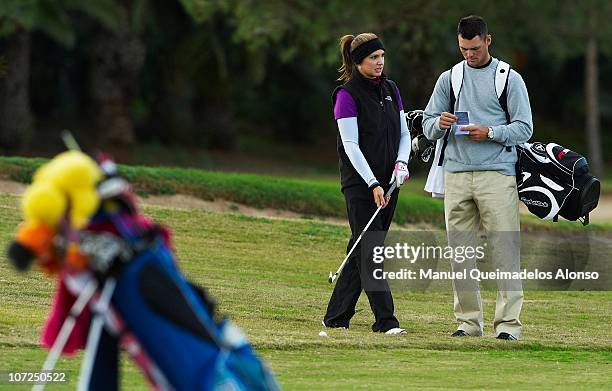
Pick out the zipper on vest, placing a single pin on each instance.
(381, 93)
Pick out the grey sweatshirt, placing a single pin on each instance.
(478, 96)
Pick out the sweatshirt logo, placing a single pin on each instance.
(388, 97)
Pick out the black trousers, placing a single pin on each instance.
(360, 207)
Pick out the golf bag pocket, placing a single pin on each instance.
(555, 181)
(542, 195)
(583, 199)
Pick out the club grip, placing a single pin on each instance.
(391, 189)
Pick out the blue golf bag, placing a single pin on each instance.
(173, 324)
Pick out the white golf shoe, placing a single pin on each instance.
(327, 327)
(396, 330)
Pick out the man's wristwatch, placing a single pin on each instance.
(490, 134)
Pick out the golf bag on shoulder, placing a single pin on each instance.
(554, 181)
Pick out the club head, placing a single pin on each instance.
(426, 154)
(330, 279)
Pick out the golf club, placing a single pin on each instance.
(332, 277)
(70, 141)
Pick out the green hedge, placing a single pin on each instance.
(307, 197)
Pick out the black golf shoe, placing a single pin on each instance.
(507, 337)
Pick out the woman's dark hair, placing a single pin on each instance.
(471, 26)
(347, 44)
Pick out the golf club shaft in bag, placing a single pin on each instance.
(333, 277)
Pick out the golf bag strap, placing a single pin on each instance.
(441, 160)
(456, 75)
(502, 74)
(501, 82)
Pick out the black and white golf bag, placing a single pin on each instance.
(554, 181)
(424, 149)
(421, 146)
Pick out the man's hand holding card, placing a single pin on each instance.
(464, 127)
(463, 119)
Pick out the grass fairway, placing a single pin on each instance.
(270, 277)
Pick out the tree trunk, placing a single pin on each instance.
(16, 121)
(593, 129)
(116, 60)
(220, 110)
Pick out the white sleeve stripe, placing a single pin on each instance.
(405, 144)
(348, 129)
(349, 133)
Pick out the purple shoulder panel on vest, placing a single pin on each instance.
(400, 104)
(345, 105)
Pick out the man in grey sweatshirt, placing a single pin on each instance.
(479, 174)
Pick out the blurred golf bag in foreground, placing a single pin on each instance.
(119, 286)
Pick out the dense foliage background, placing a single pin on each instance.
(220, 75)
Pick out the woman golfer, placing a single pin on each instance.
(373, 147)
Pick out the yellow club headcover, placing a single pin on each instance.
(43, 203)
(84, 203)
(74, 175)
(69, 170)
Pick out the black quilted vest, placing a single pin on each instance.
(379, 129)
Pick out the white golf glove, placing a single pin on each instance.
(400, 174)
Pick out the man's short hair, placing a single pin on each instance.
(471, 26)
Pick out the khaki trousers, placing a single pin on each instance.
(491, 198)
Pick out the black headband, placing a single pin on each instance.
(364, 50)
